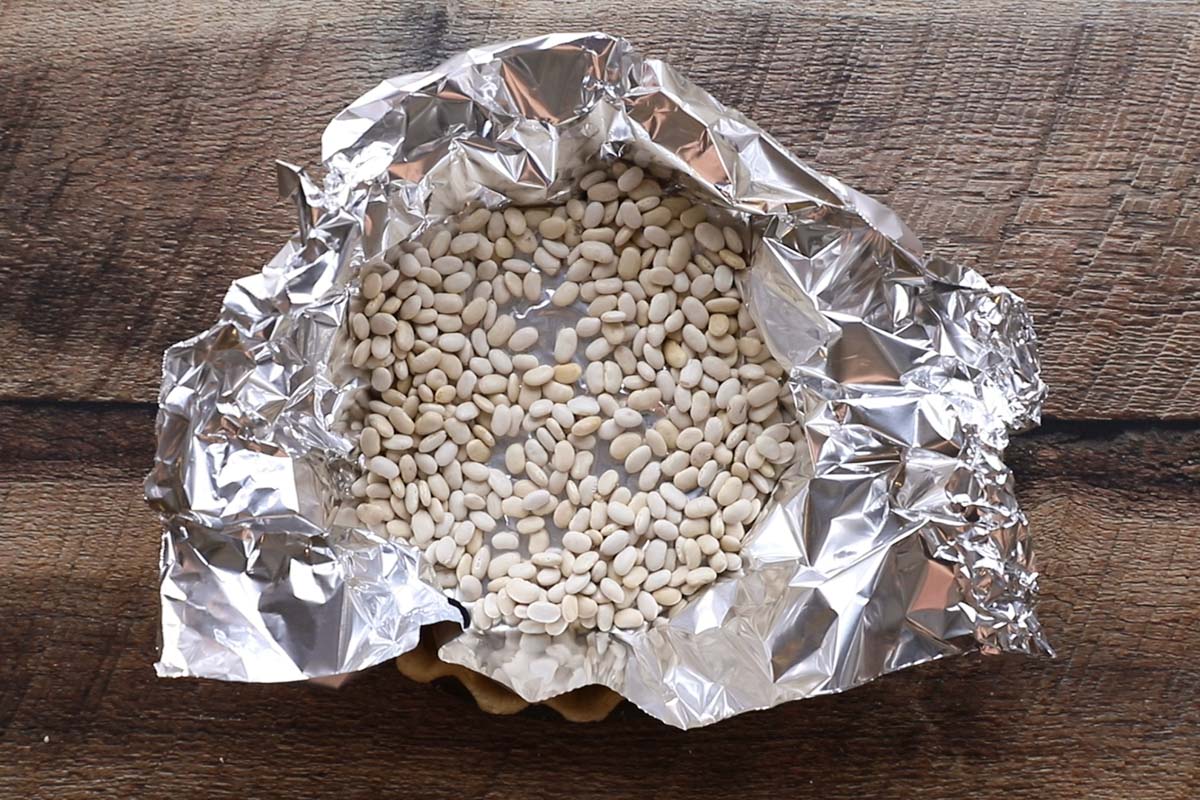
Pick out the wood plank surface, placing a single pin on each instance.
(1115, 717)
(1052, 145)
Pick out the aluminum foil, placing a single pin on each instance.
(895, 540)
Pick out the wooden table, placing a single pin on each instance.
(1053, 146)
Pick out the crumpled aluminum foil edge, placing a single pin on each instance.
(897, 540)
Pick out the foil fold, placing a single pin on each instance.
(896, 539)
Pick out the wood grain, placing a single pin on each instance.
(1114, 510)
(1054, 146)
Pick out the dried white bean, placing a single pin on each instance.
(677, 387)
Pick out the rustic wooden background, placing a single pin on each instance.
(1053, 145)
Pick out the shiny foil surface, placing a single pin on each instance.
(896, 539)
